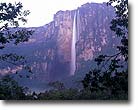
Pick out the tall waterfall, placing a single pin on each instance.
(78, 24)
(73, 48)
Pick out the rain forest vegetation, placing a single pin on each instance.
(11, 16)
(108, 81)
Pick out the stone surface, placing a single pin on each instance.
(49, 49)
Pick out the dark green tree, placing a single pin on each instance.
(57, 85)
(10, 90)
(111, 74)
(11, 16)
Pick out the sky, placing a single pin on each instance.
(42, 11)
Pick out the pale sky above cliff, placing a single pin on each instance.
(42, 11)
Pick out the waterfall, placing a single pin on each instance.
(78, 24)
(73, 48)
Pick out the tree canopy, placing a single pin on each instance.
(11, 16)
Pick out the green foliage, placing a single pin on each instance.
(100, 59)
(84, 94)
(57, 85)
(11, 15)
(10, 90)
(120, 25)
(109, 81)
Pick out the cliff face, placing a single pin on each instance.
(93, 34)
(49, 49)
(63, 25)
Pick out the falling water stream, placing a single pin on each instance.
(73, 48)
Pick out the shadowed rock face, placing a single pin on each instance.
(49, 49)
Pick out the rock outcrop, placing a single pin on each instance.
(49, 49)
